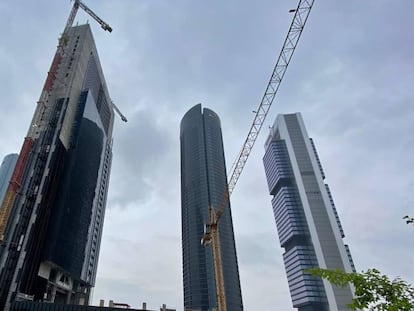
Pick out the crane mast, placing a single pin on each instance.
(212, 235)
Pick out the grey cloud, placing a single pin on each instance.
(138, 153)
(258, 248)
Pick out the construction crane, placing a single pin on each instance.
(211, 229)
(123, 118)
(104, 26)
(75, 8)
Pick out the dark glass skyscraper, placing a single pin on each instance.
(203, 183)
(52, 216)
(307, 222)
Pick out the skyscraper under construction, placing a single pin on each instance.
(52, 215)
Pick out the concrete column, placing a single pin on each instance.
(68, 296)
(82, 301)
(53, 294)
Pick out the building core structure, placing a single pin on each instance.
(203, 184)
(307, 222)
(6, 171)
(52, 216)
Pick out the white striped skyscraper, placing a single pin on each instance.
(307, 222)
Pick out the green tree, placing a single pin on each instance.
(373, 291)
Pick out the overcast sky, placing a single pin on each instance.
(352, 77)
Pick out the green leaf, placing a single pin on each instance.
(372, 289)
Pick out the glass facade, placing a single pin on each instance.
(307, 222)
(76, 221)
(292, 229)
(6, 171)
(203, 182)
